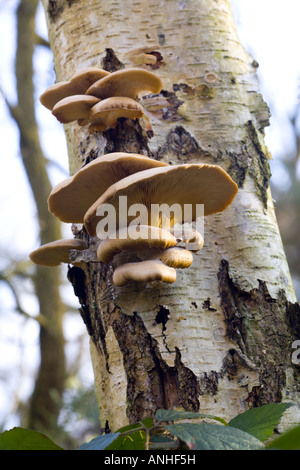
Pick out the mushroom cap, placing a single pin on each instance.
(70, 199)
(73, 107)
(126, 82)
(144, 271)
(129, 238)
(179, 184)
(176, 257)
(77, 85)
(54, 253)
(109, 110)
(193, 239)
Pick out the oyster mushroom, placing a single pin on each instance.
(77, 85)
(126, 82)
(56, 252)
(71, 198)
(182, 185)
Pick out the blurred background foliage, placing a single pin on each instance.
(26, 330)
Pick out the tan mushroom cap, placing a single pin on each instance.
(77, 85)
(179, 184)
(144, 271)
(108, 111)
(192, 238)
(70, 199)
(74, 107)
(176, 257)
(127, 82)
(54, 253)
(134, 238)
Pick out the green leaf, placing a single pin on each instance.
(26, 439)
(213, 437)
(99, 442)
(290, 440)
(171, 415)
(260, 422)
(130, 440)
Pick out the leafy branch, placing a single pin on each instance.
(179, 430)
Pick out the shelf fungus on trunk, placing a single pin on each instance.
(139, 238)
(105, 114)
(130, 83)
(56, 252)
(161, 196)
(74, 108)
(77, 85)
(192, 239)
(90, 99)
(148, 243)
(178, 188)
(70, 199)
(144, 271)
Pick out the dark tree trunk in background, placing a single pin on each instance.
(47, 396)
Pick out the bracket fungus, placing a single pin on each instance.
(176, 257)
(71, 198)
(147, 56)
(107, 112)
(148, 244)
(77, 85)
(192, 238)
(74, 107)
(54, 253)
(126, 82)
(144, 271)
(135, 238)
(192, 184)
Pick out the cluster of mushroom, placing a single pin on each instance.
(150, 184)
(98, 98)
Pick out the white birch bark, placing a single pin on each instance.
(215, 322)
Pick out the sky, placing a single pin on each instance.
(268, 29)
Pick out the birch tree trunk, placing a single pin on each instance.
(220, 338)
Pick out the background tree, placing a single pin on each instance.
(47, 396)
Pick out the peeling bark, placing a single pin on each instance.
(198, 344)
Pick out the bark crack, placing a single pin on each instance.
(263, 328)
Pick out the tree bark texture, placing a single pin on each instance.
(219, 339)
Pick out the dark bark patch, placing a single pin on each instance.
(181, 145)
(171, 112)
(110, 61)
(206, 305)
(263, 329)
(208, 383)
(259, 168)
(188, 388)
(238, 166)
(128, 137)
(55, 8)
(151, 383)
(159, 60)
(76, 276)
(162, 317)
